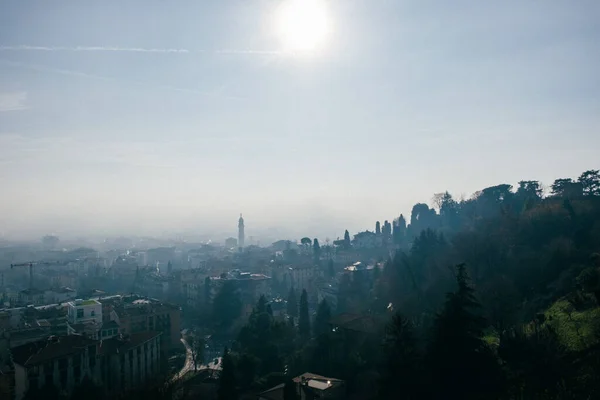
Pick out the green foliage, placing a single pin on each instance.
(535, 362)
(304, 319)
(330, 268)
(528, 258)
(292, 304)
(402, 370)
(196, 343)
(589, 279)
(264, 340)
(321, 325)
(590, 182)
(316, 250)
(227, 389)
(574, 329)
(461, 364)
(227, 305)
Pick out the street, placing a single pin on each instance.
(189, 363)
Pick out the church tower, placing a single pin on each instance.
(241, 232)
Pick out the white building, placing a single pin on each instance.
(80, 311)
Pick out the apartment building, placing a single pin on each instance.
(118, 364)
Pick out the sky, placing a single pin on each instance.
(155, 117)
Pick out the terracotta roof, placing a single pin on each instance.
(122, 344)
(45, 350)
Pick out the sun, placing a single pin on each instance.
(302, 25)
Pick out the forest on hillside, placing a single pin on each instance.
(492, 297)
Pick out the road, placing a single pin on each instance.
(189, 363)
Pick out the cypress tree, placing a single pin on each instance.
(322, 319)
(462, 366)
(292, 304)
(401, 372)
(227, 382)
(304, 321)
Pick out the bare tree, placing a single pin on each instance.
(197, 349)
(437, 200)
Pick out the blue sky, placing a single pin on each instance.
(101, 134)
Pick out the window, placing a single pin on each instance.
(93, 313)
(80, 313)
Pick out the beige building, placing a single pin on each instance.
(118, 364)
(60, 361)
(136, 315)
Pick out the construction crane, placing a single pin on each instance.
(31, 265)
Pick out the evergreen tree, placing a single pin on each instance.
(227, 389)
(347, 239)
(461, 364)
(304, 320)
(399, 230)
(292, 304)
(227, 305)
(330, 268)
(377, 228)
(322, 319)
(590, 182)
(261, 306)
(316, 250)
(401, 375)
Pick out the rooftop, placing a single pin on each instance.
(64, 290)
(312, 382)
(80, 302)
(121, 344)
(54, 347)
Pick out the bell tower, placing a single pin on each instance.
(241, 232)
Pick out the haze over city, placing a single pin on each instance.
(299, 200)
(152, 117)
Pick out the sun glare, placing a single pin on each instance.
(302, 25)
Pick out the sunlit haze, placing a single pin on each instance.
(307, 116)
(302, 24)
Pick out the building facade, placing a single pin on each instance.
(80, 311)
(117, 364)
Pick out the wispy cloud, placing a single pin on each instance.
(214, 93)
(117, 49)
(13, 101)
(92, 48)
